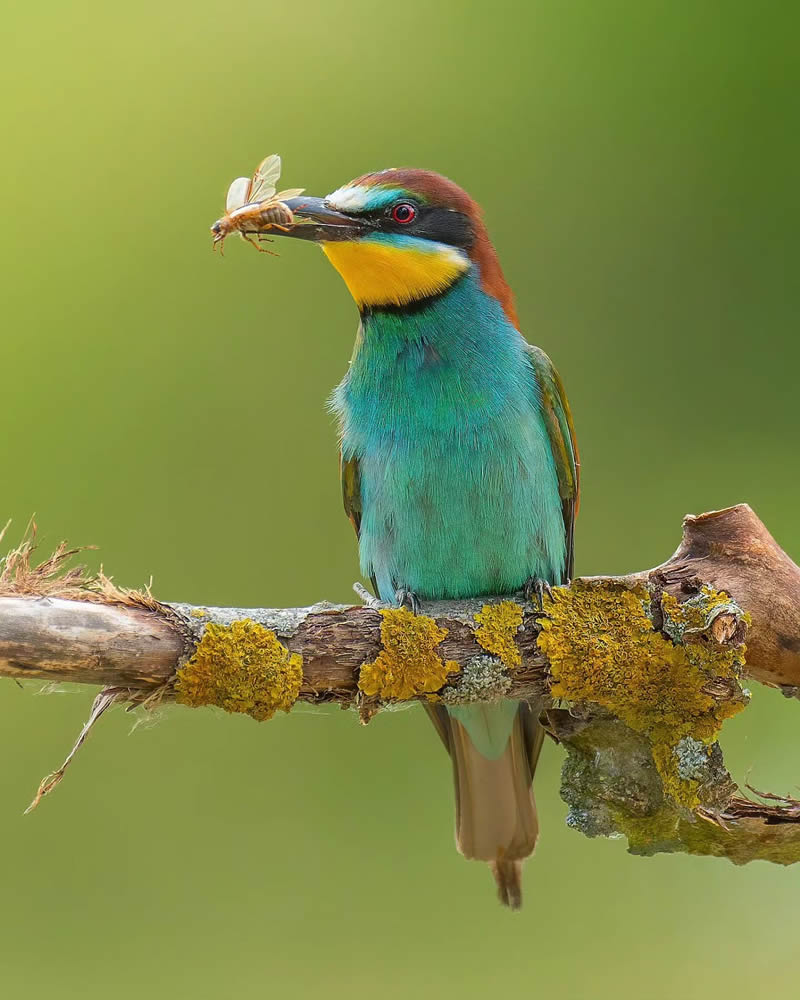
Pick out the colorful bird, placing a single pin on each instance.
(458, 455)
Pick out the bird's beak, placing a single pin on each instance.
(316, 221)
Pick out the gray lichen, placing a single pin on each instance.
(283, 621)
(692, 758)
(484, 678)
(707, 604)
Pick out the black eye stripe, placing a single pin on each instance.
(430, 222)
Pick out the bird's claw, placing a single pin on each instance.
(536, 586)
(407, 599)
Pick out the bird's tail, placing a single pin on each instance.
(494, 749)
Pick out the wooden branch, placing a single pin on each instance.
(660, 791)
(123, 645)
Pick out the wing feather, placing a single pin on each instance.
(561, 432)
(351, 494)
(351, 490)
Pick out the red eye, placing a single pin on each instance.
(404, 213)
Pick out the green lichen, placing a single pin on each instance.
(497, 629)
(603, 649)
(408, 664)
(608, 770)
(741, 840)
(241, 667)
(650, 834)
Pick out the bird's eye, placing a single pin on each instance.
(404, 213)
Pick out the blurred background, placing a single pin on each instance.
(637, 163)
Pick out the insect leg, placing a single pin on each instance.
(253, 243)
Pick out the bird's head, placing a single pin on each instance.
(401, 236)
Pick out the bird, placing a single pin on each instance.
(459, 462)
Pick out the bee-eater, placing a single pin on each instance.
(458, 456)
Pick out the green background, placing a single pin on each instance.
(637, 163)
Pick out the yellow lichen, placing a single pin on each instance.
(696, 613)
(497, 629)
(198, 613)
(680, 789)
(408, 664)
(242, 668)
(603, 649)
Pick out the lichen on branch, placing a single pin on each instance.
(241, 667)
(676, 687)
(408, 663)
(496, 632)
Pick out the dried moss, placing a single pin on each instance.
(603, 649)
(497, 629)
(408, 664)
(241, 667)
(22, 576)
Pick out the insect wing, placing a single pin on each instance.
(265, 179)
(288, 193)
(238, 194)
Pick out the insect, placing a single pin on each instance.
(252, 206)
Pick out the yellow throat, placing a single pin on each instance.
(379, 274)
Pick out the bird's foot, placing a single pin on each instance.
(534, 585)
(366, 598)
(407, 599)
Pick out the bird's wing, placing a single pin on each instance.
(351, 494)
(561, 432)
(351, 490)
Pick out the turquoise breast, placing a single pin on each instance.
(458, 485)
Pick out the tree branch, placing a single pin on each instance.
(648, 664)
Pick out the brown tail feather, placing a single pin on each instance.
(496, 819)
(508, 875)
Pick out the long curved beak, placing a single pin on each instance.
(318, 222)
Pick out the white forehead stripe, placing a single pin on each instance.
(350, 198)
